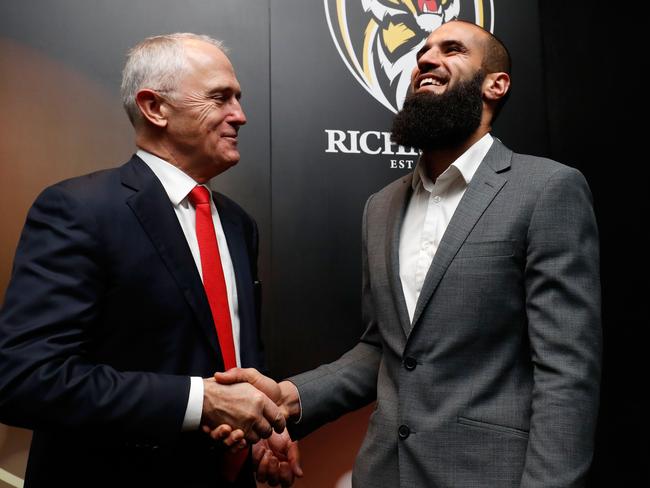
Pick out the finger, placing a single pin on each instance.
(258, 451)
(280, 424)
(252, 437)
(263, 467)
(286, 475)
(273, 475)
(239, 446)
(236, 435)
(274, 416)
(293, 455)
(263, 428)
(221, 432)
(234, 375)
(279, 444)
(234, 438)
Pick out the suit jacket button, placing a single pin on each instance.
(410, 363)
(404, 431)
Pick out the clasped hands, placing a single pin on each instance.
(243, 407)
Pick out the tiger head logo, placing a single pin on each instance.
(378, 39)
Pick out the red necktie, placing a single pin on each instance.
(215, 289)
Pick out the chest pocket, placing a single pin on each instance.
(486, 249)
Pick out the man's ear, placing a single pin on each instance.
(151, 104)
(496, 85)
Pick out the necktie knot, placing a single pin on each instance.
(199, 195)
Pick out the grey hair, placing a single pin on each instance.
(156, 63)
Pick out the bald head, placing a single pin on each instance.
(496, 58)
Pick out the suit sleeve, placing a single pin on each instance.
(563, 308)
(54, 300)
(350, 382)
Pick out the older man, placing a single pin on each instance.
(131, 285)
(481, 298)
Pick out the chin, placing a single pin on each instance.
(222, 164)
(232, 161)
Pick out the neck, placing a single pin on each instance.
(158, 147)
(436, 161)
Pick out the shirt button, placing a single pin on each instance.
(403, 431)
(410, 363)
(436, 199)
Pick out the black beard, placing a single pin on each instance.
(432, 121)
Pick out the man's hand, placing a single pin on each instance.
(242, 407)
(284, 394)
(233, 439)
(277, 460)
(250, 375)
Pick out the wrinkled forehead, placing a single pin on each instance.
(208, 67)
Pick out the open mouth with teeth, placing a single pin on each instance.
(426, 80)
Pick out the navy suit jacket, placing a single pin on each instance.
(104, 321)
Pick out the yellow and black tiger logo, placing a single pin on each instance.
(378, 39)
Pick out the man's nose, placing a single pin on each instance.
(237, 116)
(429, 60)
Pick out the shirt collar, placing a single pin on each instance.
(466, 164)
(176, 183)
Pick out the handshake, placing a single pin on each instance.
(243, 407)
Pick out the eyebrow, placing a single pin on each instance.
(453, 43)
(443, 46)
(224, 90)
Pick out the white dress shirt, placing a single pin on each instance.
(178, 185)
(428, 214)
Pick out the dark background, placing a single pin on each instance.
(595, 113)
(573, 95)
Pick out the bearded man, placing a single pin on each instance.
(481, 299)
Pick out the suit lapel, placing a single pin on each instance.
(153, 209)
(485, 185)
(396, 212)
(234, 236)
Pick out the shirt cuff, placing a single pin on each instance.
(192, 419)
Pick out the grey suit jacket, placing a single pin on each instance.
(495, 382)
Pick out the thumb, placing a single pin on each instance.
(234, 375)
